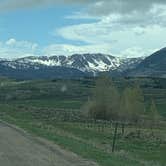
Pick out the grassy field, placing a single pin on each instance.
(50, 109)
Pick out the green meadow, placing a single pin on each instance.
(54, 110)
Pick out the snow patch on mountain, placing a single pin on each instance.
(84, 62)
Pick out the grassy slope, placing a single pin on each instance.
(20, 97)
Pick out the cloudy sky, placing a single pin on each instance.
(127, 28)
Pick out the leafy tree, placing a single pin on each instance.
(105, 101)
(124, 113)
(154, 115)
(131, 106)
(125, 106)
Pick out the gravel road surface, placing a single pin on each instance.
(18, 148)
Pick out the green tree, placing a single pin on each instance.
(104, 104)
(124, 113)
(154, 115)
(125, 106)
(131, 106)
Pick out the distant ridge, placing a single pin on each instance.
(152, 66)
(77, 65)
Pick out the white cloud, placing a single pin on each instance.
(89, 33)
(130, 28)
(10, 42)
(123, 27)
(129, 42)
(136, 52)
(16, 49)
(66, 49)
(117, 37)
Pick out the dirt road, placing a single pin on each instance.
(18, 148)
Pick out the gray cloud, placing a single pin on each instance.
(97, 7)
(105, 7)
(142, 12)
(122, 24)
(131, 12)
(10, 5)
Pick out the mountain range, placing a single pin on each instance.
(81, 65)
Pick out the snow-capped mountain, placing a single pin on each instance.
(82, 63)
